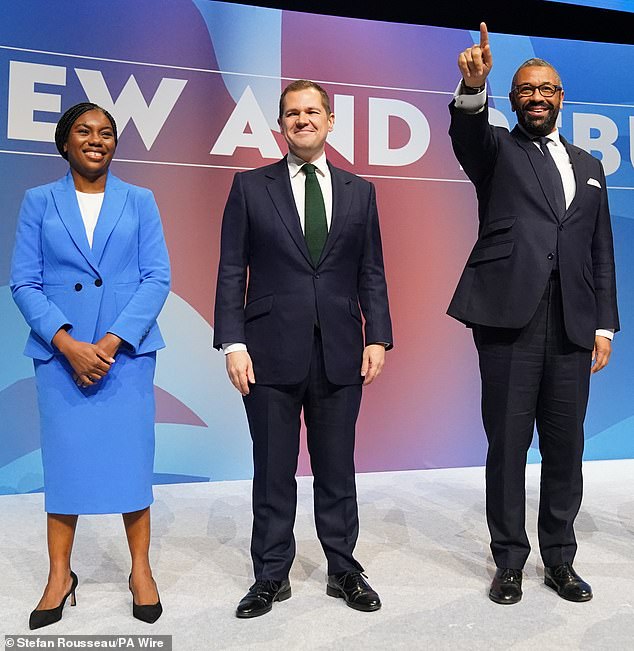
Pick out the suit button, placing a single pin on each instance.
(561, 227)
(98, 282)
(316, 276)
(550, 256)
(78, 287)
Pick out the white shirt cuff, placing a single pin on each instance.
(470, 103)
(608, 334)
(233, 348)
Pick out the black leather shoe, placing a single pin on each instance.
(40, 618)
(259, 600)
(148, 613)
(356, 591)
(568, 584)
(506, 587)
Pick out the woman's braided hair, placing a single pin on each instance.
(68, 119)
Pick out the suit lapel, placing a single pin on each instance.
(535, 157)
(281, 193)
(341, 199)
(279, 189)
(581, 173)
(113, 203)
(68, 211)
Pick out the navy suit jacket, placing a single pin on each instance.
(270, 295)
(119, 285)
(520, 235)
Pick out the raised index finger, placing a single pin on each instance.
(484, 35)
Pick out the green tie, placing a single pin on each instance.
(315, 227)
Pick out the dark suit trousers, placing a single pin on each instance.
(330, 414)
(531, 377)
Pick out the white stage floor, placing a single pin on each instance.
(423, 542)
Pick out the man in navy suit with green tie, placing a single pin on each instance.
(301, 268)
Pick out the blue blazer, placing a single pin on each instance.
(520, 235)
(118, 286)
(270, 295)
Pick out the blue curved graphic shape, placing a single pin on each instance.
(247, 41)
(613, 443)
(194, 373)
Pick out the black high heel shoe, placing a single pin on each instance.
(40, 618)
(148, 614)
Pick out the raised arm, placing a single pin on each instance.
(472, 138)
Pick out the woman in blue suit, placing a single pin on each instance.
(90, 274)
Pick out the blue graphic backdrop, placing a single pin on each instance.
(194, 86)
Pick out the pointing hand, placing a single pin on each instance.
(475, 62)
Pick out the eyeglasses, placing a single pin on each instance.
(545, 90)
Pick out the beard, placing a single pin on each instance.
(538, 126)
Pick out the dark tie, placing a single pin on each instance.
(554, 176)
(315, 226)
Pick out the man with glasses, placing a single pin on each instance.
(539, 293)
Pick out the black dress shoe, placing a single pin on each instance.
(259, 600)
(506, 587)
(356, 591)
(148, 613)
(40, 618)
(568, 584)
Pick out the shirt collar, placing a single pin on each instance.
(295, 164)
(554, 136)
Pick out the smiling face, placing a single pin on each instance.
(90, 147)
(305, 123)
(537, 114)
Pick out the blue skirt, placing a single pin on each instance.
(98, 442)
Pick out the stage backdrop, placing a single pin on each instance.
(194, 87)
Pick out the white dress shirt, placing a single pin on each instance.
(475, 104)
(89, 207)
(558, 151)
(298, 184)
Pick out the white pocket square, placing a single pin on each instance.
(594, 182)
